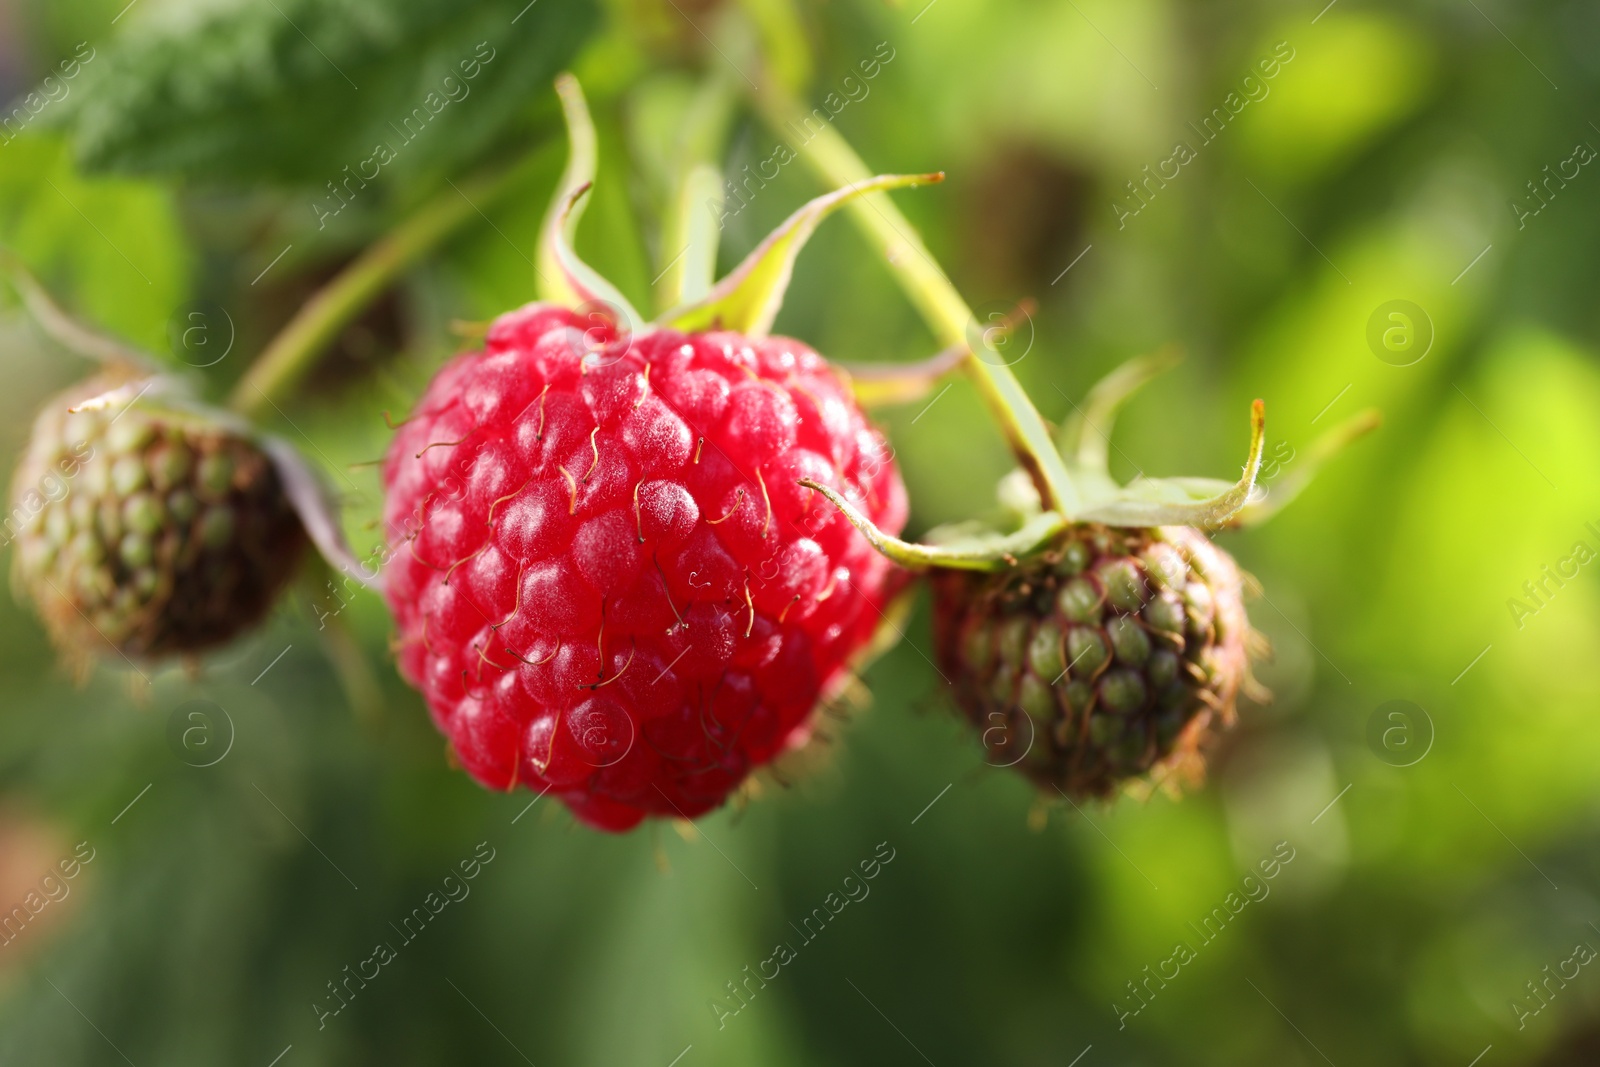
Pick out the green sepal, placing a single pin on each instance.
(584, 286)
(747, 300)
(975, 551)
(318, 509)
(1085, 440)
(67, 331)
(881, 384)
(1267, 504)
(1085, 437)
(563, 277)
(559, 222)
(698, 208)
(1204, 502)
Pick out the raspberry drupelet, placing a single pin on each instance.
(607, 578)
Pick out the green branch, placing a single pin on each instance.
(296, 348)
(947, 314)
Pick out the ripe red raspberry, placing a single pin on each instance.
(607, 579)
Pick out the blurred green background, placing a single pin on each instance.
(1387, 158)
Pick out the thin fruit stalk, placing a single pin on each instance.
(294, 351)
(946, 312)
(152, 525)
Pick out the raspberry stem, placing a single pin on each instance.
(62, 327)
(947, 314)
(295, 349)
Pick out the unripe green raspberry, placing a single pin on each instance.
(1111, 656)
(155, 529)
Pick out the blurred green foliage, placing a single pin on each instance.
(1379, 165)
(297, 91)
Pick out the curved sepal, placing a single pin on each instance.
(564, 278)
(65, 330)
(974, 552)
(881, 384)
(560, 222)
(1085, 437)
(586, 286)
(1324, 448)
(316, 509)
(1182, 501)
(1018, 496)
(747, 300)
(695, 228)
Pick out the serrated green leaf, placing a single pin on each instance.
(968, 548)
(298, 90)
